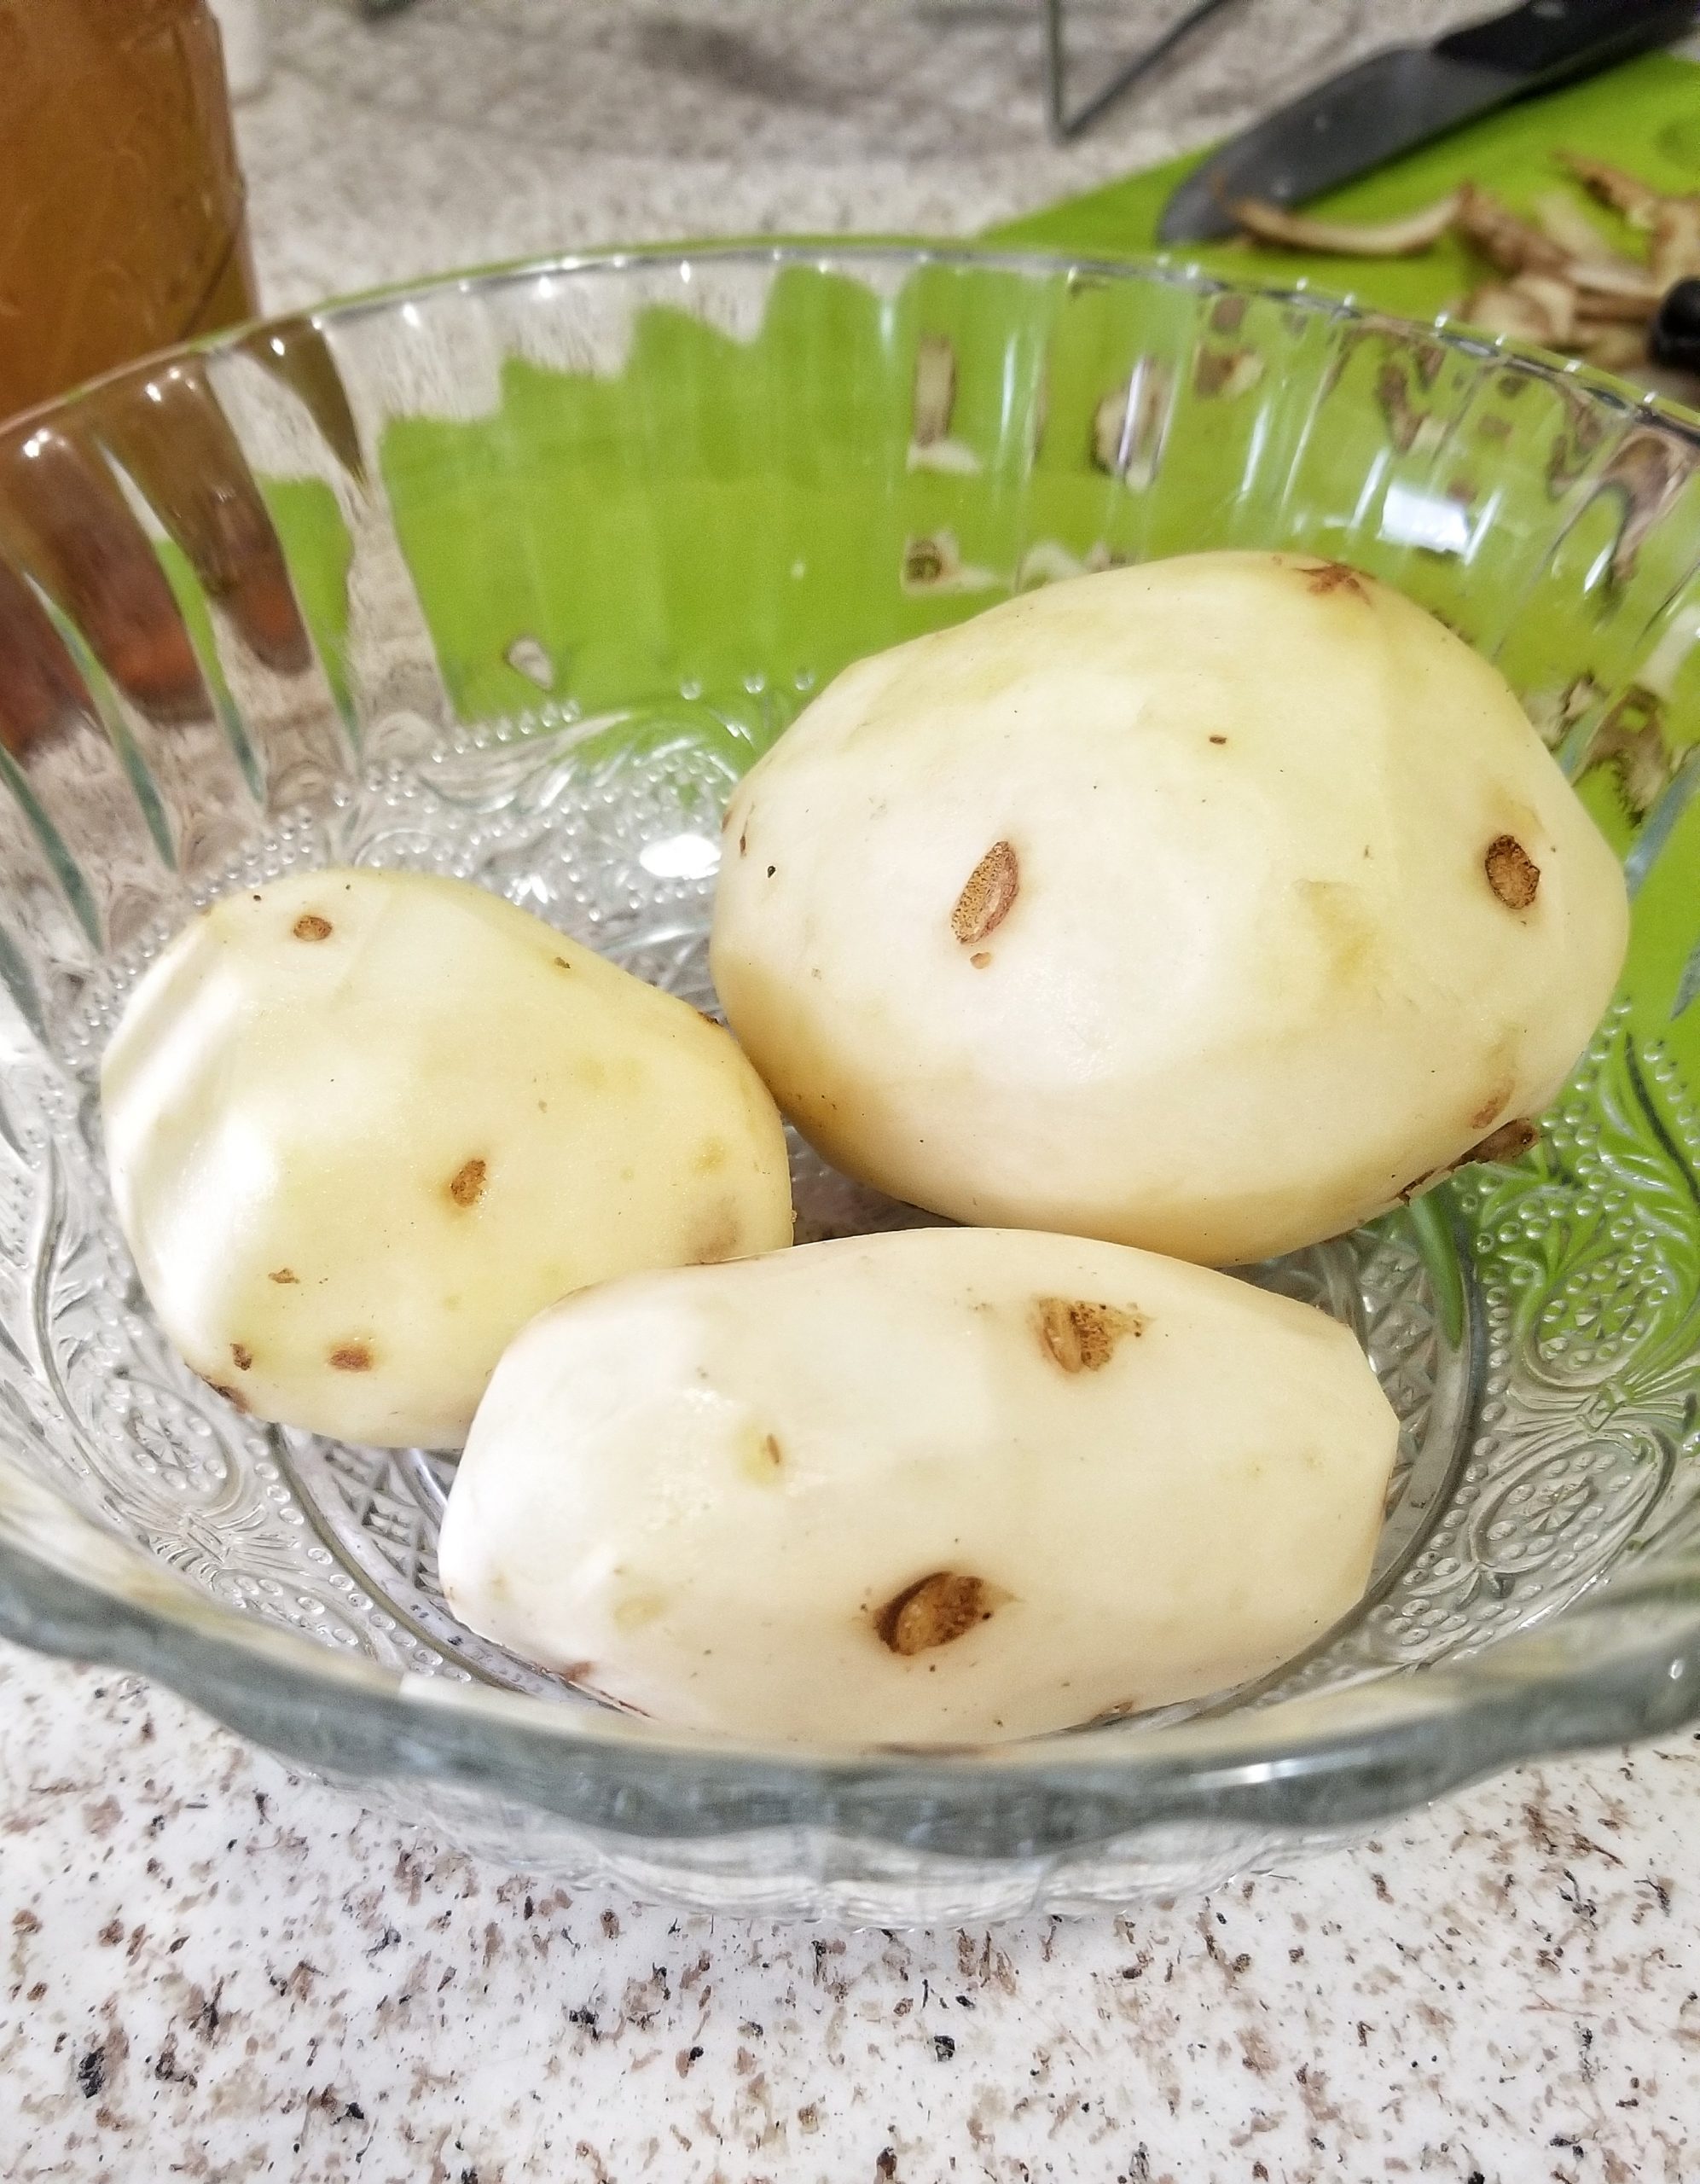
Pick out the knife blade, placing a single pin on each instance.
(1406, 95)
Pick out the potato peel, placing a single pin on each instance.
(1563, 285)
(1523, 313)
(1563, 221)
(1406, 237)
(1637, 200)
(1612, 347)
(1513, 245)
(1675, 253)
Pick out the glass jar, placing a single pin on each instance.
(122, 228)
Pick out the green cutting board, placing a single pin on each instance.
(1643, 116)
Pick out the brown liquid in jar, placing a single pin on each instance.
(122, 224)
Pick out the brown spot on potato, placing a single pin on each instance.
(988, 897)
(351, 1358)
(310, 926)
(561, 963)
(1080, 1337)
(934, 1611)
(241, 1356)
(1218, 739)
(284, 1274)
(744, 843)
(721, 1237)
(1512, 873)
(467, 1184)
(1324, 576)
(980, 958)
(759, 1456)
(234, 1397)
(1494, 1104)
(1509, 1143)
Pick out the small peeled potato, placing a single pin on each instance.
(938, 1485)
(1210, 906)
(362, 1126)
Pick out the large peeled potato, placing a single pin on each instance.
(1211, 906)
(946, 1484)
(362, 1126)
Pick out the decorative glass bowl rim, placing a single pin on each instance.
(1622, 1661)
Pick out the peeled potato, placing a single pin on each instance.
(362, 1126)
(936, 1485)
(1211, 906)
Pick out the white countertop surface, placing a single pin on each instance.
(219, 1970)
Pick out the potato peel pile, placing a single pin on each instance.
(1556, 280)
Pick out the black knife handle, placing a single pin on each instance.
(1548, 41)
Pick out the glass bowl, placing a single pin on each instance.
(510, 577)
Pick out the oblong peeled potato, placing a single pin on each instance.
(937, 1485)
(1211, 906)
(362, 1126)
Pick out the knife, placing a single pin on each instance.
(1408, 94)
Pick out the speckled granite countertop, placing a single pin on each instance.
(219, 1972)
